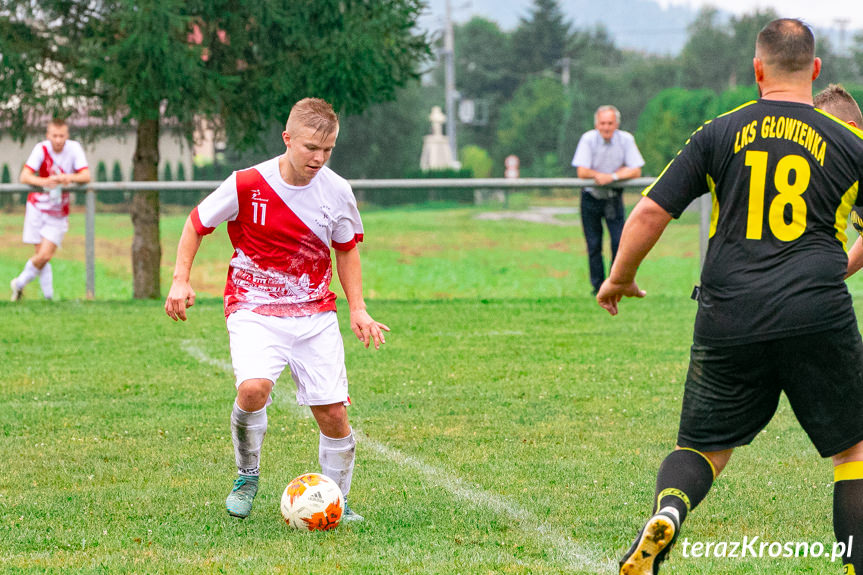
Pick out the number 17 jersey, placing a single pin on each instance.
(783, 177)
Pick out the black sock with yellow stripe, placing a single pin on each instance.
(848, 514)
(684, 479)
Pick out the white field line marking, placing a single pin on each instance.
(192, 349)
(576, 556)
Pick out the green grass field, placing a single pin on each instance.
(508, 426)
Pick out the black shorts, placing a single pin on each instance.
(732, 392)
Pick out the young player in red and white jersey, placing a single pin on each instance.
(283, 216)
(55, 162)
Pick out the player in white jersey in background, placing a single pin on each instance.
(283, 216)
(55, 162)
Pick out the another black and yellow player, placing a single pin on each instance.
(835, 100)
(847, 485)
(774, 314)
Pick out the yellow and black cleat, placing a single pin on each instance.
(651, 547)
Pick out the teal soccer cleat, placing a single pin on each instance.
(350, 514)
(239, 501)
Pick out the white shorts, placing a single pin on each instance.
(39, 225)
(262, 345)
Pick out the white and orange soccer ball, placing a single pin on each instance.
(312, 502)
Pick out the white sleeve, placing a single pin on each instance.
(349, 226)
(583, 157)
(37, 156)
(79, 159)
(632, 155)
(221, 205)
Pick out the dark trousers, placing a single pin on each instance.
(593, 211)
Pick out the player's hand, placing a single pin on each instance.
(181, 297)
(611, 293)
(366, 329)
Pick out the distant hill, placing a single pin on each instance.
(634, 24)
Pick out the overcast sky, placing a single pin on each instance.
(817, 13)
(668, 37)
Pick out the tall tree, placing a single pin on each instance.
(529, 127)
(855, 56)
(836, 67)
(744, 31)
(484, 59)
(734, 39)
(385, 141)
(484, 73)
(592, 48)
(704, 58)
(242, 63)
(541, 39)
(667, 121)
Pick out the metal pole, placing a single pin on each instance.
(90, 243)
(451, 94)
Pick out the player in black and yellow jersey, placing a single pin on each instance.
(774, 314)
(837, 101)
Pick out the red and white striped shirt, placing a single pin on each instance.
(45, 162)
(282, 236)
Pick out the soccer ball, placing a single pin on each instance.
(312, 502)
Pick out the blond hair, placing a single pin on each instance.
(837, 101)
(313, 113)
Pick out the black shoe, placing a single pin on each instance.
(652, 545)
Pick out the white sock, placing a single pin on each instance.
(30, 273)
(247, 432)
(336, 457)
(46, 281)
